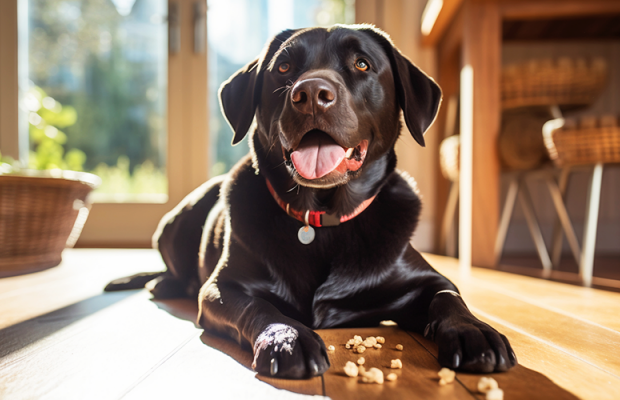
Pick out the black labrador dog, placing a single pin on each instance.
(312, 229)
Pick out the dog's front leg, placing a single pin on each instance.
(283, 347)
(437, 309)
(464, 342)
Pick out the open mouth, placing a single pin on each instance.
(319, 156)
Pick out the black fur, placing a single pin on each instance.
(233, 241)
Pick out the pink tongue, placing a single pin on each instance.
(317, 156)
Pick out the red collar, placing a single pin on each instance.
(317, 218)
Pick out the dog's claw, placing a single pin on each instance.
(274, 366)
(456, 361)
(426, 330)
(314, 368)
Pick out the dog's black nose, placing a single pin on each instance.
(313, 95)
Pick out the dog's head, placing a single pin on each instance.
(327, 102)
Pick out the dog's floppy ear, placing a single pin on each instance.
(418, 95)
(240, 94)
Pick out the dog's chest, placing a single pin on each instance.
(294, 273)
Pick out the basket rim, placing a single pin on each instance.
(87, 178)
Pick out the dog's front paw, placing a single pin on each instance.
(468, 344)
(284, 351)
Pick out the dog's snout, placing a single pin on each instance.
(314, 95)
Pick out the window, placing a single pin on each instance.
(96, 95)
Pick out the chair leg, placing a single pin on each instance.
(447, 225)
(509, 205)
(564, 219)
(533, 225)
(556, 243)
(453, 232)
(586, 266)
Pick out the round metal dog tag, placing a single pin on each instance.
(306, 234)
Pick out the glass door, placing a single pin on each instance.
(117, 88)
(96, 93)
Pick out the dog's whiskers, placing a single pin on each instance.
(285, 88)
(271, 147)
(293, 188)
(279, 165)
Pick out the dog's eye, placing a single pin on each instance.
(284, 67)
(361, 64)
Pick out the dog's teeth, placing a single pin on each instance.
(349, 152)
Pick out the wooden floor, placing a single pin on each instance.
(62, 338)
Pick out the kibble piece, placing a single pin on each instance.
(357, 340)
(350, 342)
(360, 349)
(380, 339)
(391, 377)
(396, 363)
(486, 384)
(331, 348)
(374, 375)
(362, 369)
(361, 361)
(370, 342)
(446, 376)
(351, 369)
(399, 347)
(377, 346)
(495, 394)
(348, 346)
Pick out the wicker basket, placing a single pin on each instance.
(565, 82)
(449, 156)
(520, 141)
(589, 140)
(39, 217)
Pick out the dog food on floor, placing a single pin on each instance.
(446, 376)
(486, 384)
(351, 369)
(495, 394)
(374, 375)
(391, 377)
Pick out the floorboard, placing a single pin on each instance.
(62, 338)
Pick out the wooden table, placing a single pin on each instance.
(62, 338)
(468, 33)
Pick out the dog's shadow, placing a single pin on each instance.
(187, 309)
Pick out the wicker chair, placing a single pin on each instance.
(563, 83)
(591, 142)
(539, 87)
